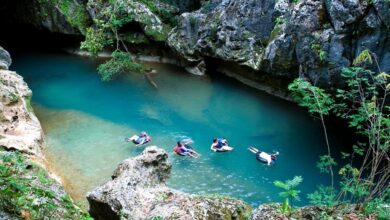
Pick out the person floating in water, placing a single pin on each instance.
(141, 139)
(185, 150)
(220, 145)
(263, 156)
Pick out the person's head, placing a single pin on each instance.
(178, 143)
(215, 140)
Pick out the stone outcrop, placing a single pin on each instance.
(19, 127)
(314, 38)
(138, 191)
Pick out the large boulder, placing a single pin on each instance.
(19, 127)
(138, 191)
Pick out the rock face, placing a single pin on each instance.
(229, 30)
(314, 38)
(19, 127)
(57, 16)
(138, 191)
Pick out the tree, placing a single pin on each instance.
(363, 103)
(318, 103)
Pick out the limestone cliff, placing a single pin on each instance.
(315, 38)
(19, 128)
(138, 191)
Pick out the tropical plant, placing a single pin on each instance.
(364, 105)
(290, 192)
(323, 196)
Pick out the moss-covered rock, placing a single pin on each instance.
(29, 193)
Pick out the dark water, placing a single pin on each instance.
(86, 121)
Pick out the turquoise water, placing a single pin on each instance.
(86, 121)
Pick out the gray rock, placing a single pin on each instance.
(229, 30)
(5, 59)
(138, 191)
(371, 21)
(315, 38)
(343, 13)
(383, 9)
(306, 17)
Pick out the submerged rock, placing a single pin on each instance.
(19, 128)
(138, 191)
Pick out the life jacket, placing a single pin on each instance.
(177, 149)
(220, 143)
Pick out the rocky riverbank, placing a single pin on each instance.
(27, 189)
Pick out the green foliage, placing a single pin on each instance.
(120, 62)
(379, 206)
(167, 10)
(95, 41)
(311, 97)
(13, 98)
(207, 7)
(280, 20)
(157, 218)
(323, 196)
(320, 52)
(26, 191)
(367, 115)
(275, 32)
(325, 162)
(28, 104)
(75, 14)
(364, 105)
(363, 57)
(192, 20)
(290, 191)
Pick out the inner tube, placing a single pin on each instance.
(262, 160)
(135, 139)
(223, 149)
(181, 154)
